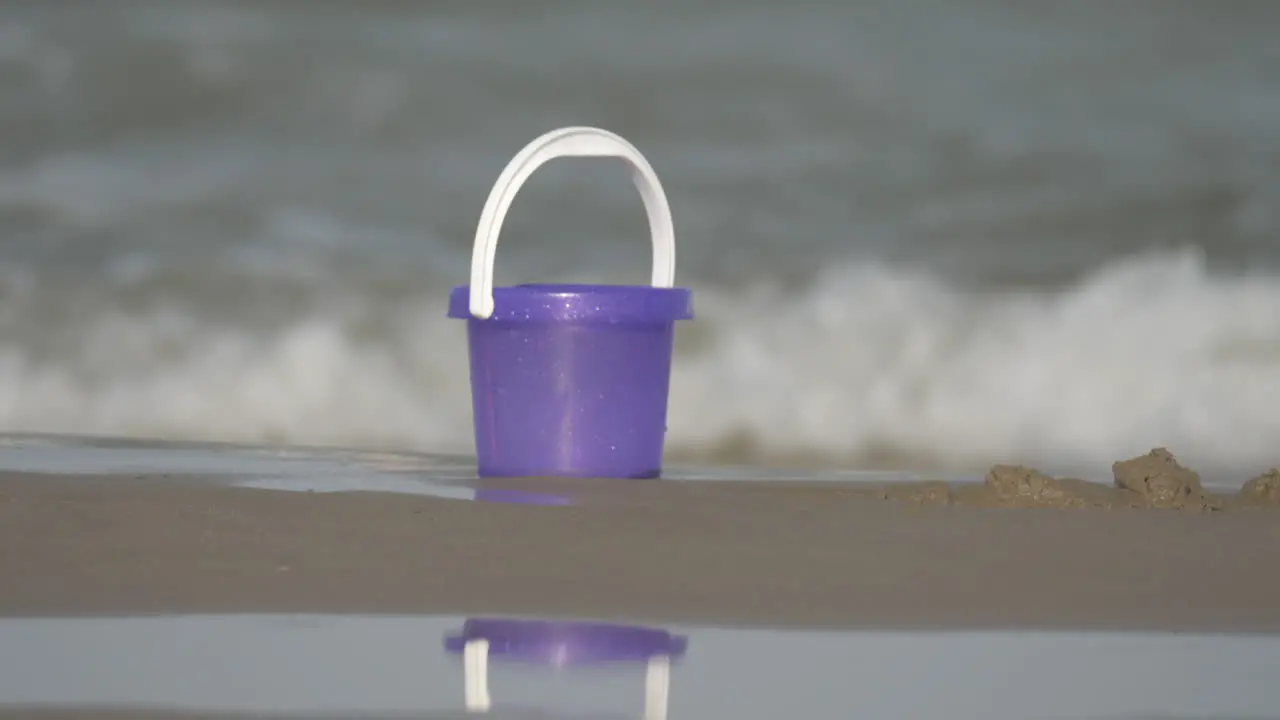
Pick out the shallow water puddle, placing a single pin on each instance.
(390, 665)
(335, 470)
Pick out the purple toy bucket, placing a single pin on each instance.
(571, 380)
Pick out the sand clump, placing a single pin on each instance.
(1263, 490)
(1011, 486)
(934, 492)
(1019, 486)
(1153, 480)
(1161, 482)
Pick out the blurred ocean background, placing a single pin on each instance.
(925, 234)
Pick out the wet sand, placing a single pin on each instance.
(1155, 552)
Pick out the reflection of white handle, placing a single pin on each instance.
(475, 676)
(569, 142)
(657, 688)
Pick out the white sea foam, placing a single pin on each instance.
(1148, 351)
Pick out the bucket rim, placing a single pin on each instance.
(579, 302)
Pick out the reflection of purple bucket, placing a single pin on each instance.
(571, 380)
(515, 497)
(564, 644)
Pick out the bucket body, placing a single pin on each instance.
(572, 380)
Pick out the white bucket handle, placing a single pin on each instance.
(569, 142)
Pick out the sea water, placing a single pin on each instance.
(932, 233)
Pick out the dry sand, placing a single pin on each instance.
(1021, 550)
